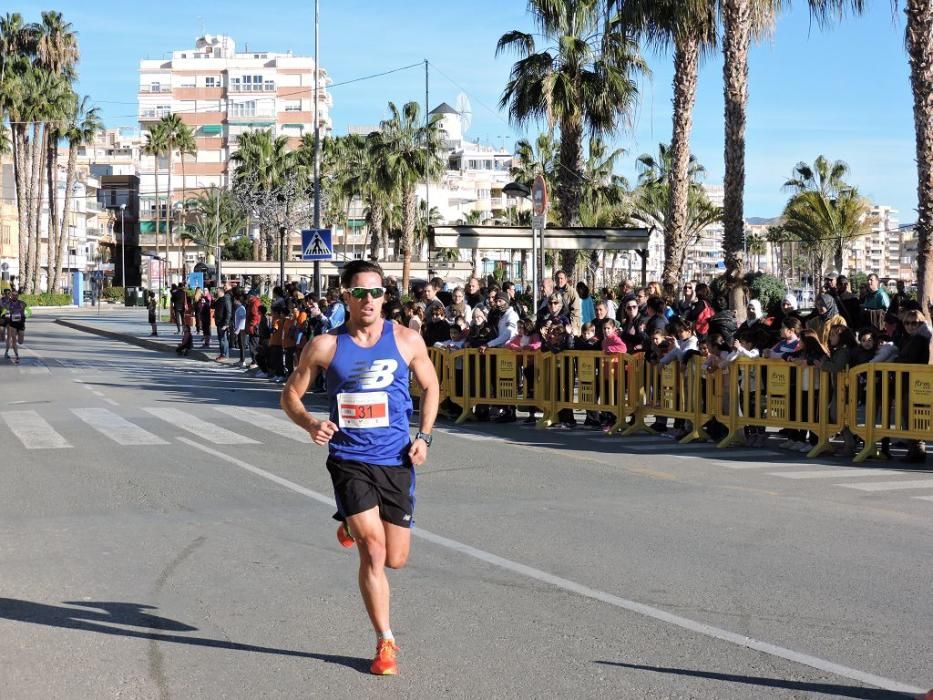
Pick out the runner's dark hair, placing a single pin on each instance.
(356, 267)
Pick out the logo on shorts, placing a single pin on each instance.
(377, 375)
(406, 518)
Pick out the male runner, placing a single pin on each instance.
(372, 456)
(16, 325)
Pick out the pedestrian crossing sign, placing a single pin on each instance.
(316, 244)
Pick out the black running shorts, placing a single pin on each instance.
(359, 486)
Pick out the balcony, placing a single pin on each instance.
(153, 115)
(237, 88)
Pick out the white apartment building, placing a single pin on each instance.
(883, 251)
(222, 93)
(471, 187)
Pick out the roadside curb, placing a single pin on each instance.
(133, 340)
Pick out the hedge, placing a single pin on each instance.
(47, 299)
(112, 293)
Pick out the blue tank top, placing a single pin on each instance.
(368, 390)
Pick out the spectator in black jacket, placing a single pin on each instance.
(632, 327)
(654, 315)
(849, 305)
(223, 315)
(916, 351)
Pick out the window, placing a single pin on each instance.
(155, 87)
(269, 86)
(293, 106)
(243, 109)
(210, 81)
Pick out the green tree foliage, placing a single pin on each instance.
(584, 81)
(406, 151)
(650, 205)
(824, 212)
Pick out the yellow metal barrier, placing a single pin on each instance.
(778, 394)
(874, 401)
(593, 381)
(499, 377)
(439, 358)
(890, 400)
(673, 391)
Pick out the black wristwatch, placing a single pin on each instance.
(424, 436)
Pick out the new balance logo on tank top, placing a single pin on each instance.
(369, 400)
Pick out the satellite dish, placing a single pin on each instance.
(466, 111)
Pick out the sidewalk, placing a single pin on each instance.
(129, 325)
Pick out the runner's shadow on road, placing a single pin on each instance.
(842, 691)
(99, 616)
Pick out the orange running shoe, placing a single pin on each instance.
(344, 537)
(384, 664)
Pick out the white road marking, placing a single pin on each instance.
(750, 465)
(117, 428)
(835, 473)
(891, 485)
(33, 431)
(924, 498)
(263, 420)
(466, 435)
(200, 428)
(594, 594)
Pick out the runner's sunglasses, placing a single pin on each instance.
(361, 292)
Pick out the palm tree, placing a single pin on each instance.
(62, 106)
(690, 27)
(584, 81)
(824, 212)
(266, 161)
(177, 134)
(741, 19)
(918, 32)
(48, 94)
(56, 45)
(603, 190)
(757, 247)
(217, 218)
(532, 159)
(157, 147)
(651, 203)
(406, 152)
(83, 127)
(421, 225)
(56, 55)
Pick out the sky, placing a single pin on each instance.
(842, 92)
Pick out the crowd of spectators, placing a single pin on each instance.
(656, 321)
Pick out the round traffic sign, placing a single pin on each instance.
(539, 196)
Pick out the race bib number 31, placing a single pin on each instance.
(363, 410)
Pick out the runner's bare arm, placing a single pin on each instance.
(316, 355)
(423, 369)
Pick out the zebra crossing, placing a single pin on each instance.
(234, 426)
(36, 432)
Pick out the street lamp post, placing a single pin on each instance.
(519, 191)
(317, 146)
(123, 245)
(282, 230)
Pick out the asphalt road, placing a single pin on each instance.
(164, 533)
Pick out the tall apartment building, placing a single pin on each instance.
(220, 93)
(879, 251)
